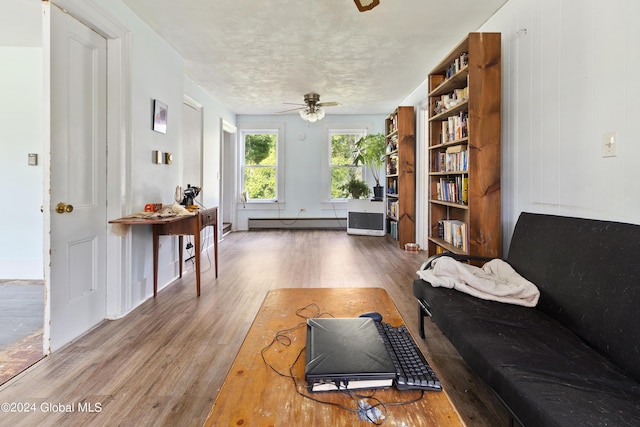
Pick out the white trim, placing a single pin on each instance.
(257, 127)
(422, 178)
(228, 127)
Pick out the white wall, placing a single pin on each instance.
(20, 133)
(304, 153)
(569, 76)
(157, 73)
(20, 184)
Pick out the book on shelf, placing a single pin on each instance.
(450, 100)
(454, 232)
(392, 209)
(392, 164)
(392, 144)
(394, 229)
(454, 159)
(393, 124)
(458, 64)
(453, 189)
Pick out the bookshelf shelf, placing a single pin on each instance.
(400, 176)
(463, 131)
(451, 83)
(462, 106)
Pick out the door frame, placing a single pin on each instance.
(227, 172)
(118, 259)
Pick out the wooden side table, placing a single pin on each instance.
(179, 226)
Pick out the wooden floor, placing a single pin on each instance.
(163, 364)
(21, 325)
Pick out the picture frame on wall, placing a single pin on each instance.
(159, 116)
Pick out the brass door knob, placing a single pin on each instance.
(62, 208)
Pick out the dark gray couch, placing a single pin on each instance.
(574, 360)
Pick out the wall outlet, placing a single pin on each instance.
(610, 144)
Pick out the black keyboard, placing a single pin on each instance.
(412, 370)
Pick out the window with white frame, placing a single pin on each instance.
(260, 166)
(341, 155)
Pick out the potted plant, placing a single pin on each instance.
(357, 188)
(370, 151)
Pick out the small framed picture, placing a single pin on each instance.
(159, 116)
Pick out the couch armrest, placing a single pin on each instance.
(457, 257)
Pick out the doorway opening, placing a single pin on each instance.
(228, 184)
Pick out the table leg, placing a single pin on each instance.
(196, 244)
(215, 246)
(180, 260)
(155, 260)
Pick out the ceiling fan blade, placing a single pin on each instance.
(294, 103)
(328, 104)
(293, 109)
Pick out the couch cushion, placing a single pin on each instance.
(542, 371)
(588, 275)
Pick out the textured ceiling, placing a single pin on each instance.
(254, 55)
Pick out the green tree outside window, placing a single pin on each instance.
(343, 150)
(260, 166)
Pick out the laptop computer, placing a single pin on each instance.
(346, 354)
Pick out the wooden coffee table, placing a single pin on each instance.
(254, 394)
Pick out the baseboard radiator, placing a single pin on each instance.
(298, 223)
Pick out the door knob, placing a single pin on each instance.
(62, 208)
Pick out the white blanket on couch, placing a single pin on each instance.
(496, 280)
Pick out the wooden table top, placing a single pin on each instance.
(150, 220)
(254, 394)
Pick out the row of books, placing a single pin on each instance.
(458, 64)
(392, 164)
(455, 233)
(392, 186)
(393, 229)
(392, 124)
(455, 159)
(455, 127)
(450, 100)
(453, 190)
(392, 144)
(392, 208)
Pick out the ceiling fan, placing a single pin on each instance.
(312, 110)
(364, 5)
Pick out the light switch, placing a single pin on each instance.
(610, 144)
(33, 159)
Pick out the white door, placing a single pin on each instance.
(191, 163)
(78, 219)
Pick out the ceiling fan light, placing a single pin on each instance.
(312, 115)
(364, 5)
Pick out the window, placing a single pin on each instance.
(260, 165)
(341, 153)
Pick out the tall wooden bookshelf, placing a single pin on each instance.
(401, 175)
(464, 149)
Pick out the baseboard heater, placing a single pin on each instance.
(298, 223)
